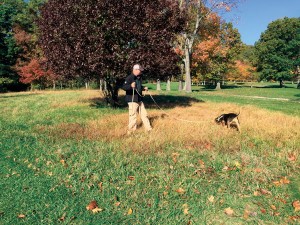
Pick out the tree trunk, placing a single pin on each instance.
(54, 85)
(180, 86)
(86, 85)
(168, 85)
(218, 87)
(111, 91)
(281, 84)
(188, 81)
(101, 84)
(105, 85)
(158, 88)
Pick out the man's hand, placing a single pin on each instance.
(146, 88)
(133, 84)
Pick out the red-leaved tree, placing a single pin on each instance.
(197, 13)
(104, 38)
(34, 73)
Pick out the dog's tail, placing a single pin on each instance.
(239, 112)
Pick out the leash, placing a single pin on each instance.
(183, 120)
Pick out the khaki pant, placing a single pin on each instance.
(134, 109)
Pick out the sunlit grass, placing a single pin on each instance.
(61, 150)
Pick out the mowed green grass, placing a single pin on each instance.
(51, 179)
(264, 95)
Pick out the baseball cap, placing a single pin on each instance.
(138, 67)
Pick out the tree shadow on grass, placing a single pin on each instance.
(277, 86)
(213, 87)
(2, 96)
(298, 97)
(163, 101)
(170, 101)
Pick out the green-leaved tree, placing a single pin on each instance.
(278, 50)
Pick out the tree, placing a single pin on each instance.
(34, 73)
(214, 57)
(105, 38)
(278, 50)
(196, 13)
(9, 50)
(18, 38)
(26, 32)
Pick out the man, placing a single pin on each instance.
(133, 87)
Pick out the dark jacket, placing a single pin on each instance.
(129, 90)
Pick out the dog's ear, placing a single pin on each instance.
(219, 119)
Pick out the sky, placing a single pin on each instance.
(252, 17)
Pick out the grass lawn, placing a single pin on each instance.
(61, 150)
(266, 95)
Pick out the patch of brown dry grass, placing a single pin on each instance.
(83, 100)
(276, 129)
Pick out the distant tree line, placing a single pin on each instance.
(95, 42)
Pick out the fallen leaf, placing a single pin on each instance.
(180, 191)
(202, 164)
(185, 209)
(174, 156)
(284, 180)
(258, 170)
(296, 205)
(256, 193)
(263, 210)
(237, 165)
(246, 214)
(131, 177)
(211, 199)
(292, 157)
(282, 200)
(63, 162)
(21, 216)
(295, 218)
(197, 191)
(225, 168)
(208, 146)
(63, 217)
(92, 205)
(130, 211)
(253, 214)
(273, 207)
(264, 191)
(100, 185)
(96, 210)
(229, 211)
(117, 203)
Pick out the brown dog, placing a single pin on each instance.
(229, 119)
